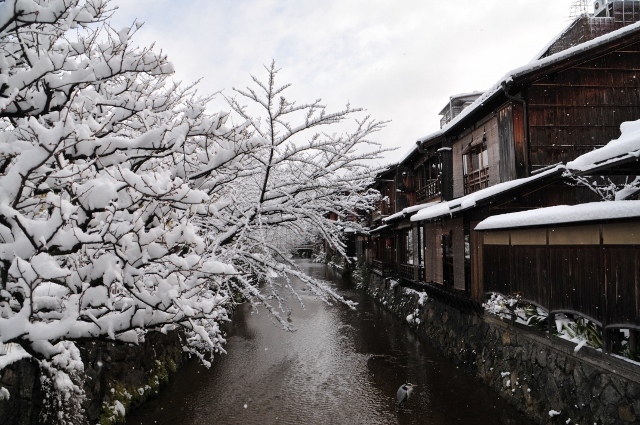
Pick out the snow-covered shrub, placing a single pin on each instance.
(515, 308)
(575, 329)
(361, 275)
(320, 257)
(579, 330)
(62, 380)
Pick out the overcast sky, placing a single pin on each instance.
(400, 60)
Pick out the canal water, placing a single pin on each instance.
(340, 367)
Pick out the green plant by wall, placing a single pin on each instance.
(123, 398)
(584, 329)
(361, 275)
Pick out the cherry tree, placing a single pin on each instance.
(126, 206)
(297, 181)
(97, 232)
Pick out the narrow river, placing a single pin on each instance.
(340, 367)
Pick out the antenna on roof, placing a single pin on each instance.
(578, 8)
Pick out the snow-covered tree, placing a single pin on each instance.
(126, 206)
(296, 180)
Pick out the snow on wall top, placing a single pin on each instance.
(626, 146)
(561, 214)
(470, 201)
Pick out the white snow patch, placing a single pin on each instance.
(11, 353)
(563, 214)
(626, 146)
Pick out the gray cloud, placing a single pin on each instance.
(400, 60)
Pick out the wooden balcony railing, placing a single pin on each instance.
(376, 264)
(406, 271)
(383, 269)
(476, 180)
(430, 190)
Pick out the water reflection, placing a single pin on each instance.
(341, 366)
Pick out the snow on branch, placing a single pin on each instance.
(126, 206)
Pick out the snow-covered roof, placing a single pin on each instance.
(379, 228)
(546, 48)
(409, 210)
(538, 65)
(469, 201)
(459, 99)
(626, 147)
(575, 50)
(408, 154)
(562, 214)
(432, 136)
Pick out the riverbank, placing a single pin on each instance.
(118, 377)
(545, 379)
(340, 366)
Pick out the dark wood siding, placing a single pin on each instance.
(529, 272)
(432, 257)
(507, 163)
(520, 142)
(477, 277)
(457, 234)
(575, 280)
(622, 284)
(581, 108)
(599, 281)
(497, 269)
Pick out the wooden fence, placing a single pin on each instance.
(600, 282)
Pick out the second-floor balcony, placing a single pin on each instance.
(382, 268)
(476, 180)
(407, 271)
(431, 189)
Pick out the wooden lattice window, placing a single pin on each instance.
(475, 163)
(429, 176)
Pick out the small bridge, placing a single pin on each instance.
(303, 251)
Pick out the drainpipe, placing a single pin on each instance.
(525, 110)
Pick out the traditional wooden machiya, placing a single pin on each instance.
(507, 150)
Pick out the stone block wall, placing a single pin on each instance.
(534, 373)
(128, 374)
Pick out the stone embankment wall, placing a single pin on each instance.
(117, 375)
(532, 372)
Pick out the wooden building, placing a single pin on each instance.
(582, 260)
(506, 151)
